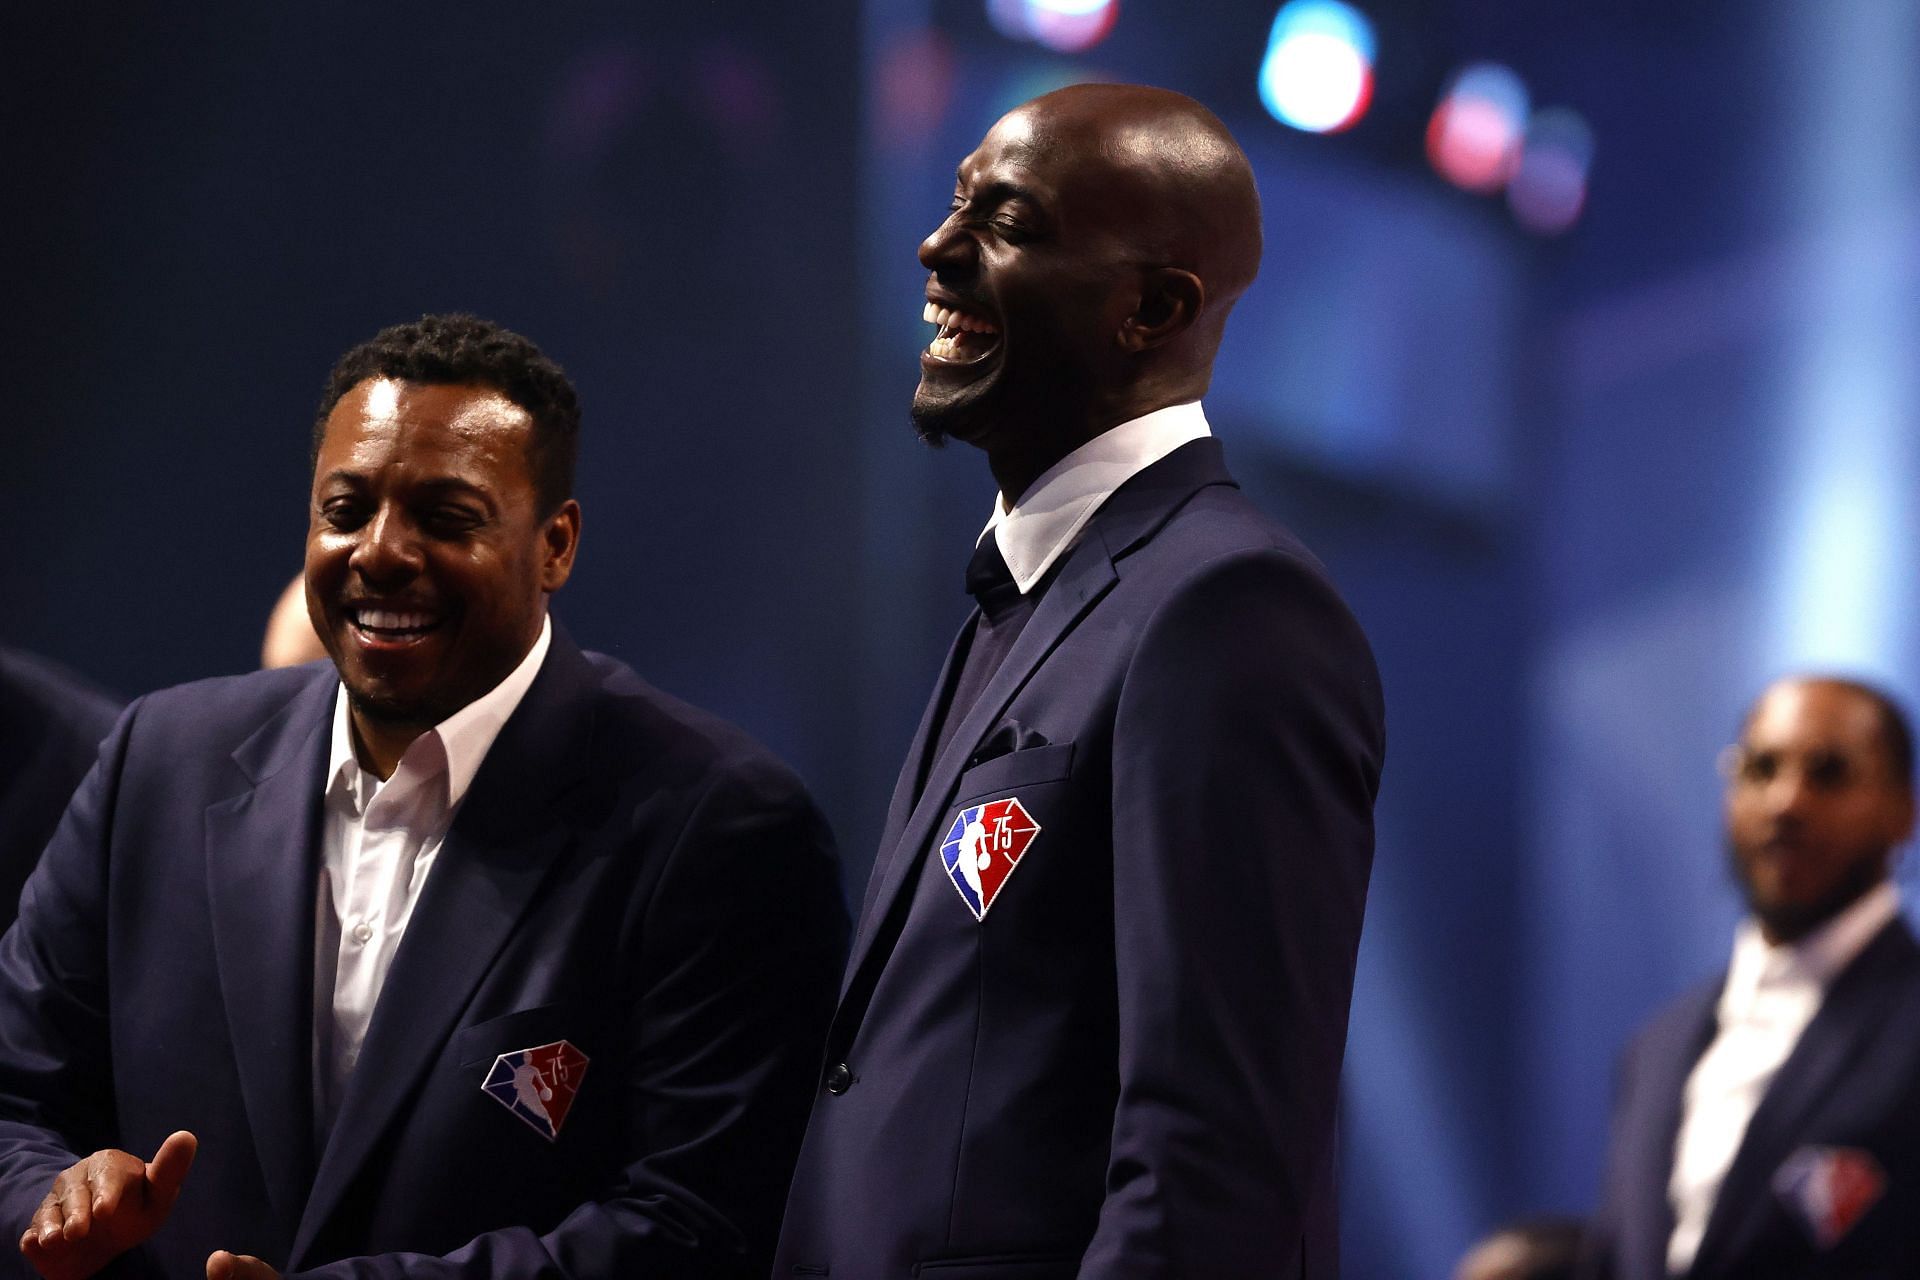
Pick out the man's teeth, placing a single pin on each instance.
(950, 320)
(953, 324)
(389, 620)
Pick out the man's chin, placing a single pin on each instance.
(938, 419)
(387, 710)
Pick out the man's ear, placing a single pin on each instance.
(1170, 301)
(559, 539)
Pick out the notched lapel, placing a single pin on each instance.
(906, 788)
(262, 885)
(1651, 1157)
(1085, 577)
(512, 831)
(1854, 1008)
(1135, 511)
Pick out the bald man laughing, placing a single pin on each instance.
(1097, 1003)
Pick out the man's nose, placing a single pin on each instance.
(389, 548)
(1787, 794)
(948, 250)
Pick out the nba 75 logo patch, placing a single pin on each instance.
(1830, 1189)
(538, 1084)
(983, 846)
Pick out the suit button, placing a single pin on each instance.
(839, 1078)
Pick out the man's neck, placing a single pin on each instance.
(378, 746)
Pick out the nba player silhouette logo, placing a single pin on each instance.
(983, 846)
(538, 1085)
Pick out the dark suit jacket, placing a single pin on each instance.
(51, 724)
(626, 873)
(1852, 1083)
(1129, 1065)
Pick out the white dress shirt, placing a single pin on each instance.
(1771, 995)
(378, 841)
(1037, 530)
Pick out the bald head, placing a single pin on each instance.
(1179, 180)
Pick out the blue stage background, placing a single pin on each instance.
(1587, 493)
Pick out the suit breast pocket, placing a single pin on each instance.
(999, 1267)
(534, 1063)
(1032, 767)
(1001, 809)
(522, 1029)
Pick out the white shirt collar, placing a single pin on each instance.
(1038, 529)
(1814, 961)
(464, 738)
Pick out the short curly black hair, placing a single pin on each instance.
(460, 348)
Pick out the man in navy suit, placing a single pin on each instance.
(1768, 1123)
(1097, 1003)
(51, 724)
(469, 955)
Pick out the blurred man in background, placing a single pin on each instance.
(51, 724)
(1768, 1124)
(622, 919)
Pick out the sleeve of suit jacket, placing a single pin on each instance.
(723, 1056)
(53, 1000)
(1247, 749)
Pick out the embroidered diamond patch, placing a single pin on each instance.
(1830, 1189)
(983, 846)
(538, 1084)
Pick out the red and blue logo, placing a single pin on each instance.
(538, 1084)
(983, 846)
(1830, 1189)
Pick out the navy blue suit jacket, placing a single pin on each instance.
(51, 724)
(626, 873)
(1129, 1065)
(1852, 1083)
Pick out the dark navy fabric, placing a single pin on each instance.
(1129, 1065)
(626, 874)
(51, 725)
(1851, 1084)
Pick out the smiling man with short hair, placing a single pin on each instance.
(474, 956)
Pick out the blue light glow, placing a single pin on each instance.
(1844, 547)
(1318, 72)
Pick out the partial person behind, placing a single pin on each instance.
(1530, 1249)
(290, 639)
(51, 724)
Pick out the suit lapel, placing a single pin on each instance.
(506, 839)
(1083, 579)
(262, 885)
(1129, 517)
(913, 771)
(1853, 1009)
(1652, 1160)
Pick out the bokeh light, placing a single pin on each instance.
(1067, 26)
(1549, 188)
(1318, 71)
(1474, 139)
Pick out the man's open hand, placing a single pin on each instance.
(105, 1205)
